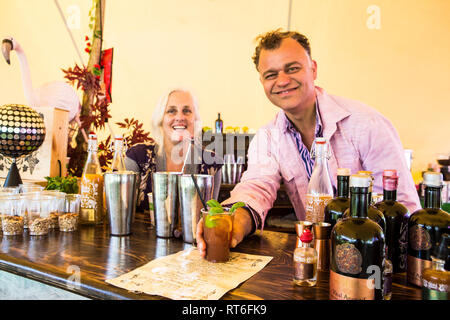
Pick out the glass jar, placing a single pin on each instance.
(30, 187)
(11, 220)
(68, 220)
(36, 207)
(56, 206)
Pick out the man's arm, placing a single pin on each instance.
(257, 189)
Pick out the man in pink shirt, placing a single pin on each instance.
(360, 138)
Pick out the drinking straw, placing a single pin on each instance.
(198, 192)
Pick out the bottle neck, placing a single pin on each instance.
(92, 146)
(118, 147)
(306, 245)
(432, 197)
(390, 195)
(359, 202)
(390, 188)
(343, 186)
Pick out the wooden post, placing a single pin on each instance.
(88, 96)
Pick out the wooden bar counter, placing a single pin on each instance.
(57, 257)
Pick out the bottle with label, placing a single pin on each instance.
(91, 208)
(373, 213)
(436, 280)
(396, 216)
(320, 189)
(357, 250)
(336, 207)
(425, 228)
(219, 124)
(305, 261)
(118, 163)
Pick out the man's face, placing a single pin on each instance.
(287, 75)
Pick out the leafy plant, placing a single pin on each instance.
(68, 184)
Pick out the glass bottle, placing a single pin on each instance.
(373, 213)
(320, 189)
(305, 261)
(335, 208)
(425, 228)
(118, 163)
(357, 249)
(396, 215)
(219, 124)
(436, 280)
(91, 208)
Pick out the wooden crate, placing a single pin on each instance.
(51, 157)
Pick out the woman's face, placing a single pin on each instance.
(178, 120)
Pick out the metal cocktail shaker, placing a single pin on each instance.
(190, 201)
(322, 244)
(120, 194)
(165, 202)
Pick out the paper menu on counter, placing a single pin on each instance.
(186, 275)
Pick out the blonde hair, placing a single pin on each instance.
(158, 115)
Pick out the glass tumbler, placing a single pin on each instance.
(11, 220)
(68, 220)
(36, 205)
(56, 206)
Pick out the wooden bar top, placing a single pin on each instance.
(53, 258)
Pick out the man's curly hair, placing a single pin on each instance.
(272, 40)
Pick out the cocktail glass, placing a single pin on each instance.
(217, 232)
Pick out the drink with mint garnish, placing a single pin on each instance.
(217, 231)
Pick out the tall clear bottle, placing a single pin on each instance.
(334, 210)
(425, 228)
(118, 163)
(320, 189)
(357, 250)
(91, 209)
(396, 215)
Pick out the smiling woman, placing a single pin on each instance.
(175, 124)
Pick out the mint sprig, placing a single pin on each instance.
(215, 207)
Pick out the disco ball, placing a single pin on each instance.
(22, 131)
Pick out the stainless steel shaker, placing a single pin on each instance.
(165, 202)
(190, 203)
(120, 194)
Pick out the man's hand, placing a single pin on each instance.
(242, 225)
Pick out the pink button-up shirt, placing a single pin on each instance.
(360, 138)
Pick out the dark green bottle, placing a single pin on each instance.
(425, 228)
(396, 215)
(373, 213)
(357, 249)
(335, 208)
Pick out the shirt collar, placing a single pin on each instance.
(319, 127)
